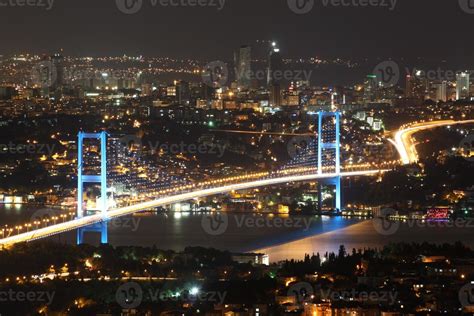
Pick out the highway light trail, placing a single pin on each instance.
(263, 133)
(403, 138)
(128, 210)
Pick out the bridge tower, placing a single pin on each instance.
(329, 154)
(99, 179)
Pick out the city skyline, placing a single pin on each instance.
(410, 30)
(236, 157)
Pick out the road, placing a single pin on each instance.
(403, 138)
(128, 210)
(263, 133)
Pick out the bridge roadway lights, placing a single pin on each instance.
(335, 146)
(101, 179)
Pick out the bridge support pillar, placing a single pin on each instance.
(329, 145)
(99, 179)
(333, 182)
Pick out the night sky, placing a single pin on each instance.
(431, 29)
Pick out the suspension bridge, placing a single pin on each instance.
(122, 170)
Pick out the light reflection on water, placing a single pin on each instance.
(16, 213)
(179, 230)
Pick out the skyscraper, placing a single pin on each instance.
(243, 67)
(183, 92)
(462, 85)
(370, 89)
(275, 65)
(442, 91)
(416, 86)
(409, 86)
(57, 63)
(274, 75)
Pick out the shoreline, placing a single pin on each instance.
(363, 235)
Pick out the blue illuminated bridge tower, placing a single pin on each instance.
(100, 178)
(329, 154)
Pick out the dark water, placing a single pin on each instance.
(243, 232)
(279, 236)
(16, 214)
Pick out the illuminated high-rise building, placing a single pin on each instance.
(147, 89)
(275, 65)
(183, 92)
(274, 75)
(409, 86)
(57, 62)
(243, 67)
(462, 85)
(416, 86)
(442, 91)
(370, 88)
(171, 91)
